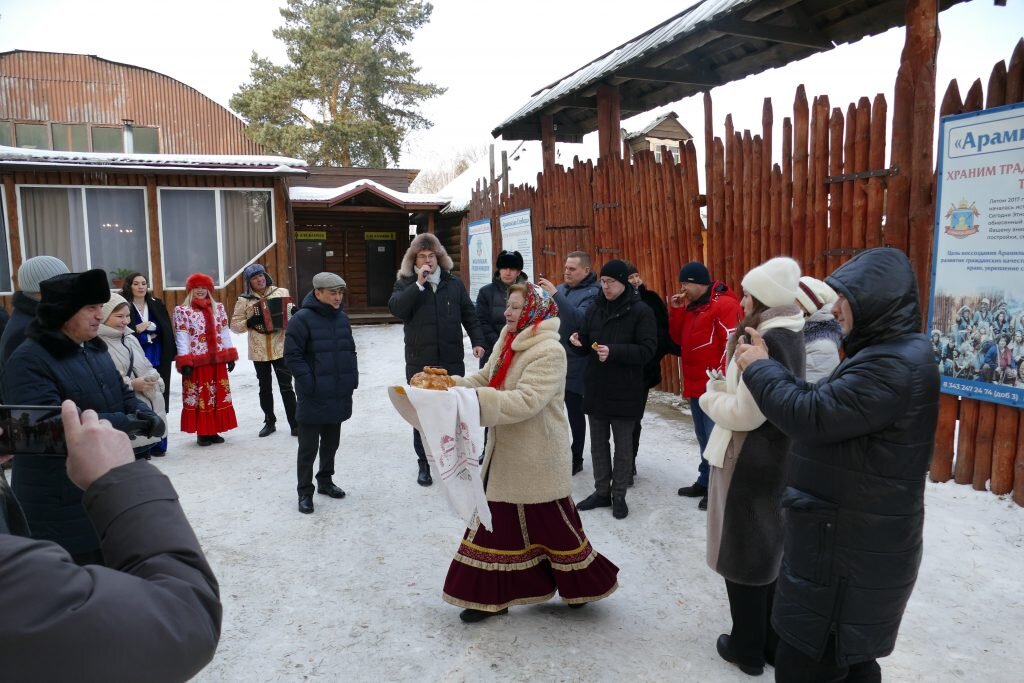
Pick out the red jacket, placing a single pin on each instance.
(702, 330)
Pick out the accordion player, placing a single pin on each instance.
(271, 315)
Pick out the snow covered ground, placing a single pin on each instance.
(353, 592)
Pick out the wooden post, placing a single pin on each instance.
(835, 190)
(715, 242)
(983, 445)
(504, 173)
(800, 232)
(1004, 449)
(942, 457)
(964, 470)
(876, 159)
(1018, 466)
(547, 141)
(609, 122)
(767, 120)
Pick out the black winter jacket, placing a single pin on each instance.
(573, 303)
(14, 332)
(43, 371)
(862, 440)
(616, 388)
(434, 322)
(321, 355)
(491, 301)
(652, 369)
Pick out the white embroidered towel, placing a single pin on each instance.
(449, 425)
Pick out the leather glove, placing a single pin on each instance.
(156, 425)
(135, 425)
(186, 371)
(231, 366)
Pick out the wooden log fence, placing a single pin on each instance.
(829, 196)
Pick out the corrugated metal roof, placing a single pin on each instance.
(635, 50)
(46, 157)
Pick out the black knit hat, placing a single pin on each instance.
(510, 259)
(617, 270)
(695, 272)
(64, 295)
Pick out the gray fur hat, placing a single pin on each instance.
(424, 242)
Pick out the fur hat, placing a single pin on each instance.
(424, 242)
(39, 268)
(695, 272)
(198, 280)
(251, 271)
(617, 269)
(813, 295)
(65, 295)
(775, 282)
(509, 259)
(115, 301)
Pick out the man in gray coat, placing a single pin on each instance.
(157, 597)
(574, 297)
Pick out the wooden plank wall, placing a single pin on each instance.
(990, 444)
(277, 260)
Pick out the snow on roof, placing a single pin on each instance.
(49, 157)
(525, 161)
(335, 195)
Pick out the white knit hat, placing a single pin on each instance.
(115, 301)
(814, 295)
(775, 282)
(39, 268)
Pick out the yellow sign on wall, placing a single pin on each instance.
(311, 235)
(379, 236)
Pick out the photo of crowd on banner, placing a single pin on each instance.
(980, 338)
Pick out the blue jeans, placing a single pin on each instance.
(702, 426)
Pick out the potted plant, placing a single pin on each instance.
(117, 276)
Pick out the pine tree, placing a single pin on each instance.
(349, 94)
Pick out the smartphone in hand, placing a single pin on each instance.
(32, 430)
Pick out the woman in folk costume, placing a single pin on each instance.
(748, 460)
(537, 545)
(206, 355)
(136, 370)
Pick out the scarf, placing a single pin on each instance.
(434, 279)
(212, 338)
(746, 415)
(536, 309)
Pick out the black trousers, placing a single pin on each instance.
(793, 666)
(284, 381)
(753, 640)
(313, 438)
(577, 424)
(638, 427)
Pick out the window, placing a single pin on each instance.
(145, 141)
(32, 135)
(217, 232)
(70, 137)
(86, 227)
(107, 139)
(5, 253)
(6, 138)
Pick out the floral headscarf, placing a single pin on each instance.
(536, 309)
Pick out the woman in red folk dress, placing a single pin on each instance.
(537, 546)
(206, 355)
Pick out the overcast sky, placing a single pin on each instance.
(490, 55)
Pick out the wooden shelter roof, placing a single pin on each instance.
(363, 192)
(709, 44)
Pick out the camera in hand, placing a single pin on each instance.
(32, 430)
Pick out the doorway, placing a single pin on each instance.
(309, 260)
(380, 271)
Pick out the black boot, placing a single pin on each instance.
(619, 508)
(577, 467)
(268, 429)
(306, 505)
(728, 655)
(471, 616)
(594, 501)
(203, 440)
(423, 478)
(330, 489)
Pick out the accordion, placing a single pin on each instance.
(271, 315)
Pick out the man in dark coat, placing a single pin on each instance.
(617, 338)
(321, 355)
(854, 502)
(652, 370)
(574, 296)
(434, 306)
(157, 599)
(30, 274)
(63, 359)
(492, 299)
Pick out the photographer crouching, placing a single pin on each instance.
(157, 599)
(62, 359)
